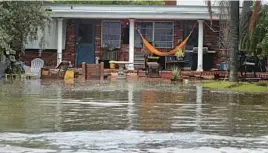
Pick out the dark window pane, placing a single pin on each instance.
(111, 34)
(165, 25)
(146, 29)
(85, 33)
(163, 34)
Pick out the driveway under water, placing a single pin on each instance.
(119, 116)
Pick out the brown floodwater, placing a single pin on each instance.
(119, 116)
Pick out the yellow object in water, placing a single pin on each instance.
(69, 75)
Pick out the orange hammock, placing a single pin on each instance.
(153, 50)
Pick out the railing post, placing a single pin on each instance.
(84, 70)
(101, 71)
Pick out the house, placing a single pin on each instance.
(78, 33)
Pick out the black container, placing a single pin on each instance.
(208, 62)
(106, 63)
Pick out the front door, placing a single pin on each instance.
(85, 44)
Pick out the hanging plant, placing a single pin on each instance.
(179, 53)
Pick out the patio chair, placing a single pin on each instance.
(36, 65)
(57, 73)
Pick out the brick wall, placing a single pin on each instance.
(211, 36)
(211, 39)
(98, 40)
(49, 57)
(69, 52)
(170, 3)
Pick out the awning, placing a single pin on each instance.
(135, 12)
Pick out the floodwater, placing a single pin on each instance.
(119, 116)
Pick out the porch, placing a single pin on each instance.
(82, 32)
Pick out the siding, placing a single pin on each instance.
(51, 36)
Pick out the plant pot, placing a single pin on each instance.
(176, 80)
(106, 63)
(180, 80)
(112, 66)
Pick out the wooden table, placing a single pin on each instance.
(121, 64)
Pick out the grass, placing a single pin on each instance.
(241, 86)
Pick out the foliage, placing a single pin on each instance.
(114, 2)
(258, 38)
(20, 22)
(262, 29)
(224, 24)
(176, 73)
(179, 53)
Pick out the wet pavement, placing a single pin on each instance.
(119, 116)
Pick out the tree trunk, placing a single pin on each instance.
(234, 41)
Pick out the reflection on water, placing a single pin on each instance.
(124, 116)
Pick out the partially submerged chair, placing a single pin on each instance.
(57, 73)
(35, 70)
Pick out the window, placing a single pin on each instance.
(160, 34)
(146, 29)
(193, 40)
(163, 34)
(111, 34)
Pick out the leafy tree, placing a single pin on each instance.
(114, 2)
(262, 26)
(20, 22)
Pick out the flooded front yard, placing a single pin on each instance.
(113, 117)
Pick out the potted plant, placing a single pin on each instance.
(104, 51)
(176, 74)
(108, 53)
(112, 64)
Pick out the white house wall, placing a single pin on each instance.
(50, 37)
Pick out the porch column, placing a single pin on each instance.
(131, 44)
(59, 43)
(200, 45)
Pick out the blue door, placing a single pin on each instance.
(85, 44)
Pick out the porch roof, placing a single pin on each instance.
(135, 12)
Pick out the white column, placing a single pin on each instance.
(131, 44)
(59, 43)
(200, 45)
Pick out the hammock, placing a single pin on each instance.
(153, 50)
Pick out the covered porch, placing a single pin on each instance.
(90, 28)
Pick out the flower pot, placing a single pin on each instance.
(112, 66)
(106, 63)
(176, 80)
